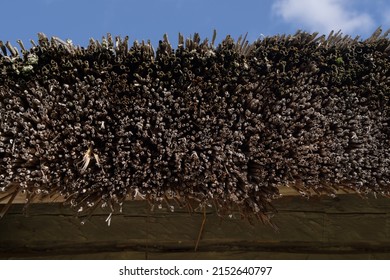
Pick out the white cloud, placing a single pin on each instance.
(323, 15)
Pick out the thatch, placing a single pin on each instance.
(221, 125)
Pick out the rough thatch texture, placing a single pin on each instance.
(223, 125)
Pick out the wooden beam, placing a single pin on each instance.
(21, 198)
(345, 227)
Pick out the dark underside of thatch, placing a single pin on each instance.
(221, 125)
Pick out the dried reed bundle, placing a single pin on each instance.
(221, 125)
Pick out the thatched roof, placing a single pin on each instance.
(221, 125)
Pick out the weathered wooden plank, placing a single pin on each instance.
(227, 255)
(21, 198)
(345, 227)
(341, 203)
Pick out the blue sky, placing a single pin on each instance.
(81, 19)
